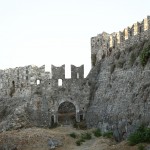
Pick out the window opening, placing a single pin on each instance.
(38, 82)
(81, 117)
(77, 75)
(59, 82)
(52, 120)
(13, 83)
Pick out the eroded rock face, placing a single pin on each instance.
(120, 97)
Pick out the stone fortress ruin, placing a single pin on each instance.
(47, 96)
(30, 96)
(104, 43)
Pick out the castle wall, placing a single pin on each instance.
(104, 44)
(38, 102)
(58, 72)
(77, 72)
(120, 98)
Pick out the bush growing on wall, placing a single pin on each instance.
(145, 55)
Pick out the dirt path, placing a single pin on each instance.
(37, 139)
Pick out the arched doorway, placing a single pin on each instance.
(66, 113)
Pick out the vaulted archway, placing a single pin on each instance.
(66, 113)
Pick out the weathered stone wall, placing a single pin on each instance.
(30, 97)
(104, 44)
(120, 98)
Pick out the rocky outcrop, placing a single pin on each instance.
(120, 91)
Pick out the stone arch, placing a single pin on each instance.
(73, 102)
(67, 112)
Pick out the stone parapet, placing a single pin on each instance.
(104, 43)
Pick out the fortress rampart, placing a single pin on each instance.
(24, 77)
(41, 95)
(104, 43)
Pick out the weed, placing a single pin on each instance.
(73, 135)
(78, 142)
(139, 136)
(93, 59)
(108, 134)
(141, 147)
(86, 136)
(97, 133)
(145, 55)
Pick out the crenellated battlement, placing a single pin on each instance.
(27, 76)
(104, 43)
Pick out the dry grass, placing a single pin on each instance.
(37, 139)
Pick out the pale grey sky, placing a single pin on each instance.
(58, 31)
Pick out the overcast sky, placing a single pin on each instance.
(58, 31)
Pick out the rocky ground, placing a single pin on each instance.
(46, 139)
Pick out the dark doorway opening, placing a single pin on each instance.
(66, 113)
(52, 121)
(81, 117)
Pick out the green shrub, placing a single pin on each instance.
(73, 135)
(83, 137)
(93, 59)
(97, 133)
(145, 55)
(86, 136)
(135, 138)
(139, 136)
(78, 142)
(108, 134)
(141, 147)
(82, 140)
